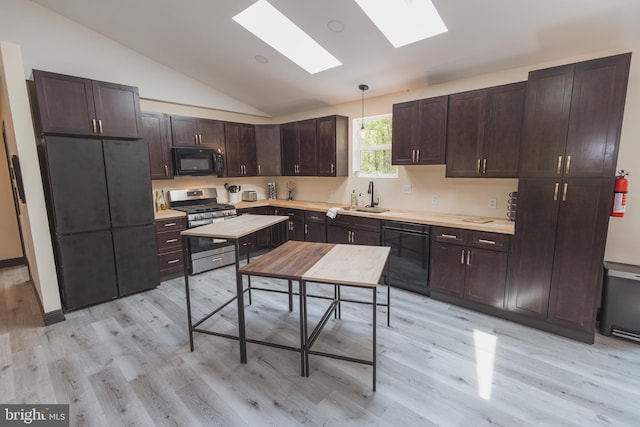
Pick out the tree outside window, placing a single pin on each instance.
(372, 151)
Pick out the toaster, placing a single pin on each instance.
(249, 196)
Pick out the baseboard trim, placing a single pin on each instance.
(4, 263)
(55, 316)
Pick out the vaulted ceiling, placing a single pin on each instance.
(199, 39)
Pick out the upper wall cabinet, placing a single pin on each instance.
(268, 150)
(69, 105)
(573, 119)
(192, 131)
(316, 147)
(419, 132)
(240, 142)
(299, 148)
(333, 145)
(155, 132)
(484, 129)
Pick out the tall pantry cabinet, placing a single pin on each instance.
(573, 117)
(98, 192)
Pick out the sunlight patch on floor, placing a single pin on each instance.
(485, 349)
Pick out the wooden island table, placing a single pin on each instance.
(308, 263)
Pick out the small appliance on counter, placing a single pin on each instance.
(234, 192)
(272, 192)
(249, 196)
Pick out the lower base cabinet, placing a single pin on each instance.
(469, 265)
(170, 254)
(347, 229)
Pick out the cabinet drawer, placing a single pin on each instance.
(493, 241)
(171, 224)
(171, 240)
(451, 235)
(171, 261)
(317, 217)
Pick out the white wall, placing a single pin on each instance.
(33, 215)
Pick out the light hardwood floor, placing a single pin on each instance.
(127, 362)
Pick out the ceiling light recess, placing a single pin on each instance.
(268, 24)
(404, 22)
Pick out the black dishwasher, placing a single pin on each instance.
(408, 266)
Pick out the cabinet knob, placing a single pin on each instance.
(100, 126)
(559, 166)
(555, 191)
(478, 167)
(488, 242)
(166, 170)
(484, 166)
(564, 192)
(449, 236)
(171, 240)
(173, 261)
(568, 165)
(417, 156)
(94, 126)
(462, 257)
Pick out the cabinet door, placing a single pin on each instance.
(546, 121)
(486, 277)
(117, 110)
(268, 150)
(211, 133)
(290, 148)
(308, 148)
(597, 104)
(183, 131)
(333, 146)
(533, 246)
(365, 237)
(234, 156)
(87, 269)
(405, 133)
(315, 232)
(447, 268)
(65, 104)
(136, 257)
(579, 253)
(129, 182)
(338, 234)
(155, 132)
(501, 145)
(432, 131)
(465, 133)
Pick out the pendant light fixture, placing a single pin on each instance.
(363, 132)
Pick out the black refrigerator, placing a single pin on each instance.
(100, 206)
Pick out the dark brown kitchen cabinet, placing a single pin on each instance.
(261, 239)
(419, 132)
(315, 228)
(484, 128)
(193, 131)
(155, 132)
(68, 105)
(170, 255)
(573, 117)
(333, 145)
(347, 229)
(469, 265)
(295, 225)
(299, 148)
(556, 267)
(240, 143)
(268, 153)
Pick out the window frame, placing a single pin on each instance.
(358, 149)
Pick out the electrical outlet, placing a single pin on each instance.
(435, 199)
(493, 202)
(406, 188)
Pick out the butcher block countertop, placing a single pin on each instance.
(168, 213)
(468, 222)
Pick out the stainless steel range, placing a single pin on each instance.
(202, 207)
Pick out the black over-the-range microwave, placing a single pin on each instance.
(197, 161)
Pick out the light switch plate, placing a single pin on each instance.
(435, 199)
(406, 188)
(493, 202)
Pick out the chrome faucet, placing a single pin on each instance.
(370, 191)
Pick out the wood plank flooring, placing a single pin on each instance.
(127, 362)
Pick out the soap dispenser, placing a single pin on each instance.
(354, 199)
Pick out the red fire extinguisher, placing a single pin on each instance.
(620, 189)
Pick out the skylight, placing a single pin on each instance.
(268, 24)
(404, 22)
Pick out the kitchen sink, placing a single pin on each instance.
(370, 210)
